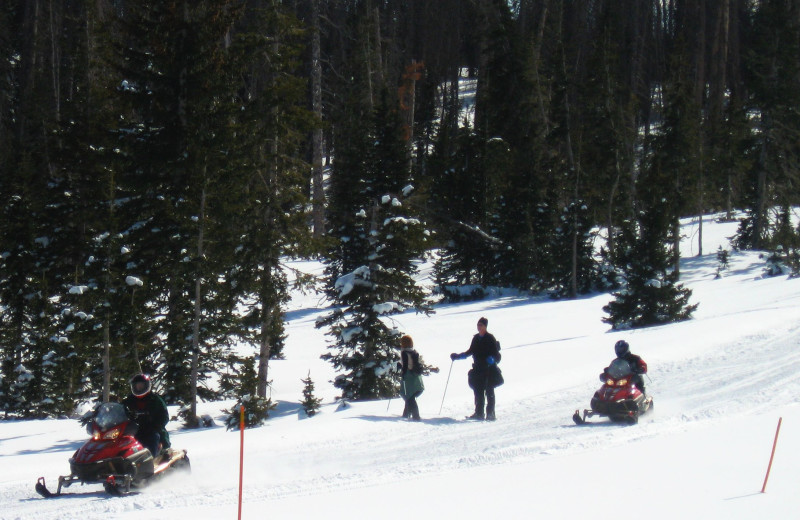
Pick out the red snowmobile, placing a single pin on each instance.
(618, 399)
(113, 456)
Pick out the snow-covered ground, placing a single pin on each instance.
(720, 381)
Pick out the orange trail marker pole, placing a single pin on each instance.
(241, 456)
(774, 443)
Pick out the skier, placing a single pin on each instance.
(485, 374)
(411, 375)
(149, 412)
(638, 366)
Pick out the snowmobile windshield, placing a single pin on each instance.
(619, 368)
(110, 415)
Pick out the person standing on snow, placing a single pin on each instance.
(411, 385)
(149, 412)
(485, 375)
(637, 364)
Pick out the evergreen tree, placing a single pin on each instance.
(182, 86)
(256, 408)
(310, 402)
(98, 289)
(372, 262)
(650, 293)
(465, 198)
(29, 261)
(575, 241)
(272, 216)
(771, 70)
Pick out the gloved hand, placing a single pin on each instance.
(143, 419)
(455, 356)
(490, 360)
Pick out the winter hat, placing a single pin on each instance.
(483, 321)
(406, 342)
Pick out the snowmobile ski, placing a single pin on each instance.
(41, 488)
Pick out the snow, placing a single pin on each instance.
(720, 383)
(133, 280)
(349, 281)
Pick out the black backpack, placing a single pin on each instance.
(417, 368)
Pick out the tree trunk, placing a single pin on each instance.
(198, 310)
(107, 359)
(270, 307)
(318, 188)
(700, 204)
(264, 352)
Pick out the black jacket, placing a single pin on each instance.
(637, 363)
(638, 366)
(409, 360)
(481, 349)
(150, 413)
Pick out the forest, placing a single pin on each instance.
(159, 160)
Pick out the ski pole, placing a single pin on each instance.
(445, 386)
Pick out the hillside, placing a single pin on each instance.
(720, 382)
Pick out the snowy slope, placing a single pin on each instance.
(720, 383)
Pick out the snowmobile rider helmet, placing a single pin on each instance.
(140, 385)
(621, 347)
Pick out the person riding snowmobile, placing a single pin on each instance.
(637, 364)
(150, 413)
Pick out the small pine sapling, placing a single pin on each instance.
(723, 259)
(256, 411)
(793, 262)
(776, 263)
(256, 408)
(309, 402)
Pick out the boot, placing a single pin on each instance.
(476, 417)
(490, 416)
(414, 410)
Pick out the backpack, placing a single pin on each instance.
(417, 368)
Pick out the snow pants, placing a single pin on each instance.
(149, 440)
(411, 409)
(479, 381)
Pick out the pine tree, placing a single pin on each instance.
(310, 403)
(772, 77)
(372, 262)
(470, 196)
(182, 88)
(97, 303)
(650, 293)
(30, 269)
(256, 408)
(575, 243)
(272, 216)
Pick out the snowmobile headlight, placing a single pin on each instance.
(111, 435)
(609, 382)
(622, 382)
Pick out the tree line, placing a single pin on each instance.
(160, 159)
